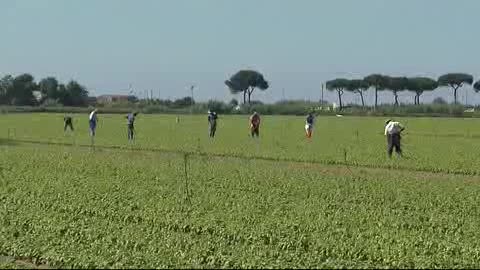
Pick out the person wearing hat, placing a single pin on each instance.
(130, 127)
(309, 125)
(255, 124)
(92, 121)
(212, 123)
(393, 130)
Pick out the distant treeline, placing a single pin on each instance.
(417, 85)
(49, 93)
(246, 81)
(437, 109)
(23, 90)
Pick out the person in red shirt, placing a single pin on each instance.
(255, 124)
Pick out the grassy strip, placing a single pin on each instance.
(247, 157)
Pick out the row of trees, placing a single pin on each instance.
(246, 81)
(417, 85)
(22, 89)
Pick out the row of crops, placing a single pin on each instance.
(436, 145)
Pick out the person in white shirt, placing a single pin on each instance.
(392, 131)
(92, 120)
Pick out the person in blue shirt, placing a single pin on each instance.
(92, 121)
(309, 125)
(130, 125)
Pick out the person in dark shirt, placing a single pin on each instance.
(130, 125)
(68, 122)
(309, 125)
(212, 123)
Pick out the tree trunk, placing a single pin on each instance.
(376, 97)
(244, 97)
(396, 98)
(250, 94)
(340, 92)
(361, 96)
(455, 88)
(418, 99)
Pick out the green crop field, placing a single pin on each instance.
(176, 198)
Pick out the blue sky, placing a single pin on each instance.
(166, 45)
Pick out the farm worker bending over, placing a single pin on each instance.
(212, 123)
(92, 121)
(309, 125)
(392, 131)
(255, 124)
(67, 121)
(130, 127)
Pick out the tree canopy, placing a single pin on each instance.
(359, 87)
(396, 84)
(49, 88)
(6, 88)
(339, 85)
(476, 86)
(20, 91)
(455, 81)
(77, 93)
(377, 81)
(246, 81)
(420, 85)
(452, 79)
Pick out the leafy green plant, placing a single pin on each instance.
(277, 202)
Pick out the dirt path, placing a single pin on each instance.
(9, 262)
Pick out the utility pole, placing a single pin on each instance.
(191, 90)
(321, 101)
